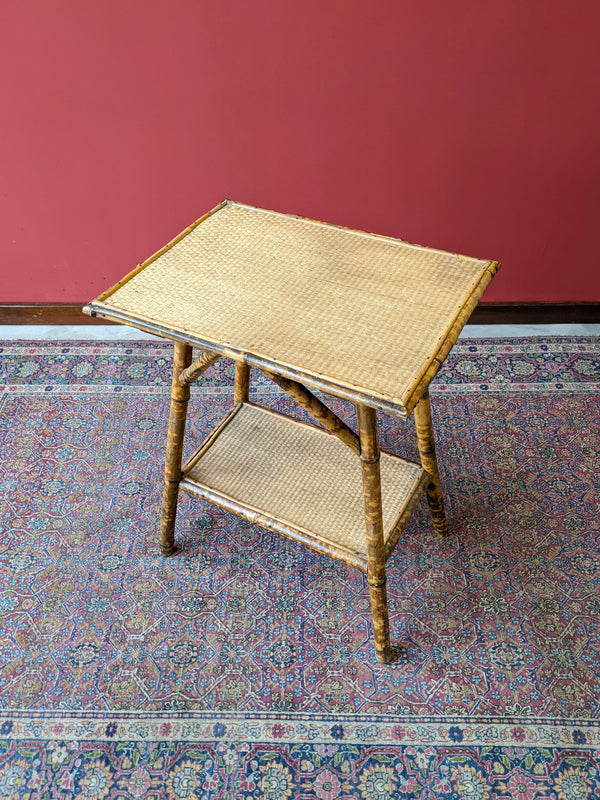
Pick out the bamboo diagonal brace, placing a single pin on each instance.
(193, 372)
(319, 410)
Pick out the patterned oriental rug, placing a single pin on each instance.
(244, 667)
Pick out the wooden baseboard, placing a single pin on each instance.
(47, 314)
(484, 314)
(535, 313)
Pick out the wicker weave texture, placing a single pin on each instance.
(356, 309)
(300, 475)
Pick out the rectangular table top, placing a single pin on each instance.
(362, 316)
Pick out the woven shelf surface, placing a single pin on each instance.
(355, 309)
(301, 475)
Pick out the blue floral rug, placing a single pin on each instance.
(243, 667)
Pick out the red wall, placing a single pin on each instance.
(471, 125)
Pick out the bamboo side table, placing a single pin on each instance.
(363, 317)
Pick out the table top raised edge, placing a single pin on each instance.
(402, 405)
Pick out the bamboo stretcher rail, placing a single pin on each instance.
(318, 410)
(269, 522)
(405, 514)
(210, 439)
(202, 363)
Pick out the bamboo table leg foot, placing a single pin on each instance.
(180, 396)
(376, 577)
(390, 655)
(426, 444)
(384, 651)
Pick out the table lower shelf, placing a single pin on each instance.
(301, 481)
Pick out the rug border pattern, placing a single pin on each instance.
(282, 728)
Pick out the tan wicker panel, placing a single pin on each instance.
(300, 475)
(358, 310)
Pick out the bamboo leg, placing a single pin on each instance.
(241, 387)
(376, 577)
(426, 444)
(180, 395)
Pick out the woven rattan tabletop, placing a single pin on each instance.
(362, 316)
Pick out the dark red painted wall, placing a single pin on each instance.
(469, 125)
